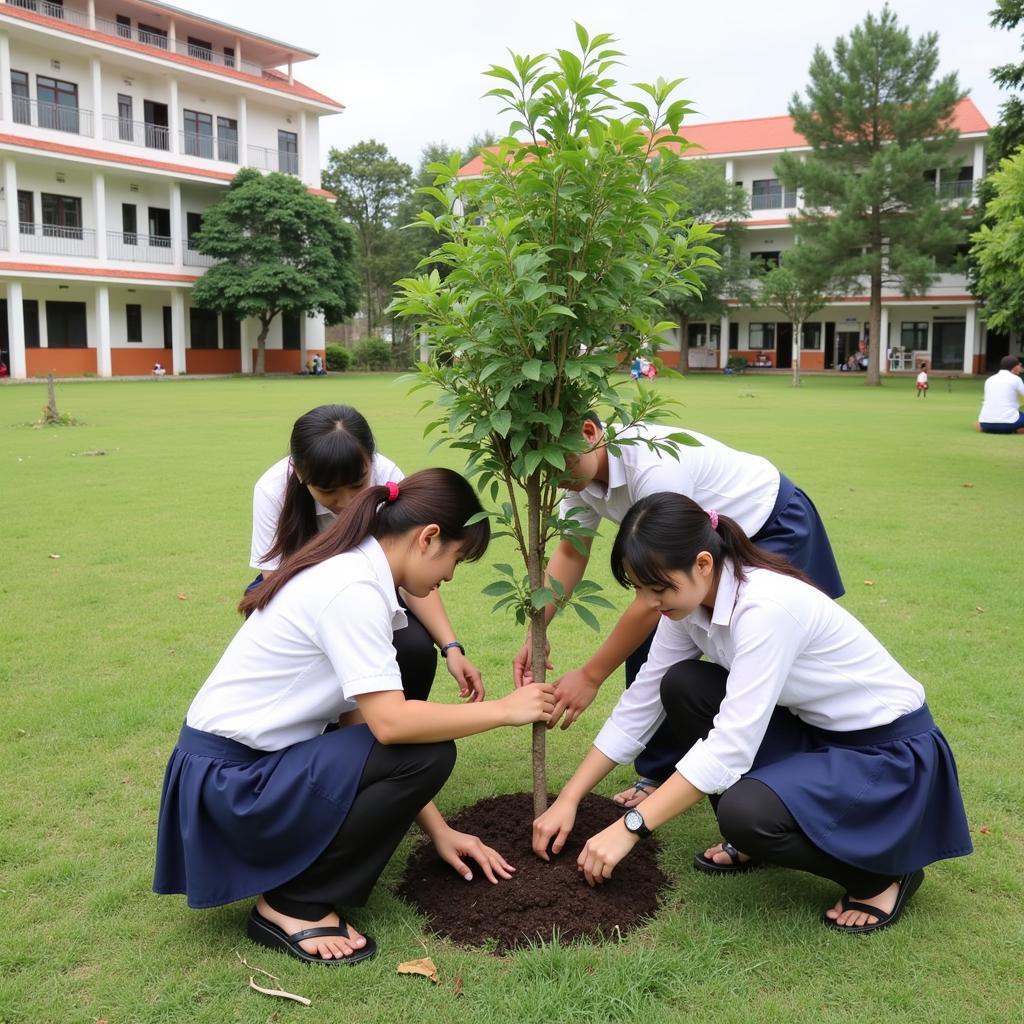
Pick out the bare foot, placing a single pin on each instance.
(717, 855)
(636, 794)
(329, 947)
(884, 901)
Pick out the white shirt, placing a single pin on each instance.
(734, 483)
(1003, 393)
(268, 500)
(784, 643)
(294, 666)
(922, 377)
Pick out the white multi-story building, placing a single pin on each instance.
(120, 122)
(941, 327)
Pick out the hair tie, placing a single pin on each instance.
(713, 516)
(393, 491)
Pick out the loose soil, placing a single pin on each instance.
(543, 898)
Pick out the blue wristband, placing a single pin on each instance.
(447, 647)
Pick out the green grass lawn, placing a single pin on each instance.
(102, 649)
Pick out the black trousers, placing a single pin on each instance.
(750, 815)
(397, 783)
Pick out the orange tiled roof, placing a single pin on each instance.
(760, 134)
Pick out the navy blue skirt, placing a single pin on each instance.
(235, 822)
(795, 530)
(886, 800)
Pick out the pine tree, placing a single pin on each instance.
(879, 126)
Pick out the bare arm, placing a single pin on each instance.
(632, 629)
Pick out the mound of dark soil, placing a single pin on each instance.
(542, 898)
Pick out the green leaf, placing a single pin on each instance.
(587, 616)
(501, 422)
(498, 588)
(542, 597)
(531, 369)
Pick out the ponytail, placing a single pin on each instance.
(438, 497)
(665, 532)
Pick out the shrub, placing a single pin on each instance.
(372, 353)
(338, 358)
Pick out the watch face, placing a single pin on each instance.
(634, 821)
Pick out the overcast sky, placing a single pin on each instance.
(411, 73)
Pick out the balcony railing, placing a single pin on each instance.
(131, 32)
(54, 116)
(57, 240)
(136, 133)
(208, 147)
(273, 160)
(773, 201)
(956, 189)
(136, 248)
(194, 258)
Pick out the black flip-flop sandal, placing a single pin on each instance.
(268, 934)
(909, 884)
(734, 867)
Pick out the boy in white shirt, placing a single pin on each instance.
(1004, 392)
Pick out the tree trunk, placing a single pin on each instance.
(51, 414)
(874, 377)
(798, 329)
(259, 369)
(538, 635)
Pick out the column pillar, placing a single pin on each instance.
(91, 9)
(970, 338)
(424, 347)
(177, 331)
(247, 345)
(882, 344)
(16, 330)
(977, 174)
(243, 132)
(103, 366)
(238, 53)
(99, 202)
(313, 337)
(302, 146)
(730, 170)
(174, 118)
(11, 201)
(97, 97)
(177, 250)
(7, 110)
(723, 350)
(172, 36)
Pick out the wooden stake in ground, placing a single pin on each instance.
(51, 414)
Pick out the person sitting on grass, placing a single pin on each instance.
(816, 748)
(1004, 390)
(261, 797)
(604, 485)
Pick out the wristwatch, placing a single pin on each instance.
(634, 822)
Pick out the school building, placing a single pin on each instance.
(941, 327)
(121, 121)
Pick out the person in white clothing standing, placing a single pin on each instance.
(332, 459)
(816, 748)
(1004, 392)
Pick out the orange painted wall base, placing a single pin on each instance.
(61, 362)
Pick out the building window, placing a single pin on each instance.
(193, 223)
(767, 194)
(26, 213)
(734, 336)
(152, 36)
(160, 227)
(133, 321)
(31, 314)
(762, 336)
(914, 336)
(168, 328)
(291, 331)
(199, 134)
(58, 104)
(62, 216)
(130, 224)
(200, 49)
(288, 152)
(21, 98)
(227, 139)
(66, 325)
(811, 336)
(765, 260)
(232, 331)
(229, 56)
(124, 26)
(202, 328)
(124, 118)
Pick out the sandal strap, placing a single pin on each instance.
(337, 931)
(864, 908)
(731, 852)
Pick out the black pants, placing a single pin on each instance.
(750, 815)
(397, 783)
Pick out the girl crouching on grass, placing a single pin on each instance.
(260, 800)
(816, 748)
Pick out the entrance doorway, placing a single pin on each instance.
(783, 346)
(65, 325)
(847, 344)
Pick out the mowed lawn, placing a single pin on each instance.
(102, 648)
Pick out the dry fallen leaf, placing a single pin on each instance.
(183, 596)
(55, 556)
(424, 966)
(985, 831)
(967, 485)
(280, 993)
(869, 583)
(978, 608)
(457, 985)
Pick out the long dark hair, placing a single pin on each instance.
(665, 533)
(331, 446)
(431, 496)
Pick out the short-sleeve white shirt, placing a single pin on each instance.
(324, 639)
(784, 643)
(1003, 394)
(732, 482)
(268, 500)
